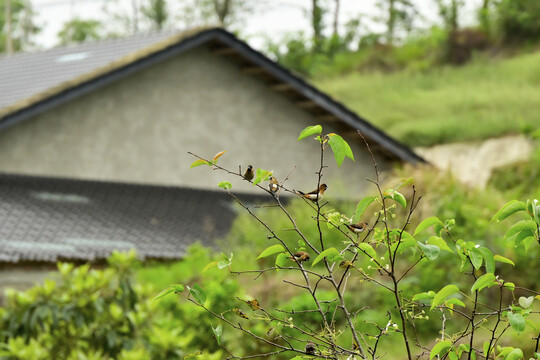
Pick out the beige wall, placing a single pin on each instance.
(139, 130)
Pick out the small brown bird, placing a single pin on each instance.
(300, 256)
(315, 195)
(274, 185)
(358, 227)
(310, 348)
(248, 175)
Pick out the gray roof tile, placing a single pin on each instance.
(26, 74)
(159, 222)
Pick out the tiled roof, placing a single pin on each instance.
(26, 74)
(47, 219)
(36, 82)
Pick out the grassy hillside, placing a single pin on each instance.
(486, 98)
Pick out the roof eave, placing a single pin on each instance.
(398, 150)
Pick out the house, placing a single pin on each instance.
(95, 138)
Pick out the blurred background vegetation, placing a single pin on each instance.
(437, 84)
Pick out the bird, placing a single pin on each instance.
(358, 228)
(310, 348)
(274, 185)
(300, 256)
(248, 175)
(316, 194)
(345, 264)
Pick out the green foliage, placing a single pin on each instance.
(22, 25)
(340, 148)
(90, 314)
(79, 30)
(332, 255)
(444, 293)
(225, 185)
(156, 11)
(519, 180)
(362, 206)
(518, 20)
(439, 105)
(271, 250)
(309, 131)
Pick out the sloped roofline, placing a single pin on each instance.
(223, 43)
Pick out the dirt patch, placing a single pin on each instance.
(473, 163)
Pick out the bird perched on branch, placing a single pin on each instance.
(358, 228)
(274, 185)
(300, 256)
(248, 175)
(316, 194)
(310, 348)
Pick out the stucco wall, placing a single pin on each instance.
(139, 130)
(24, 277)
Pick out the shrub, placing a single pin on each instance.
(518, 20)
(471, 310)
(90, 314)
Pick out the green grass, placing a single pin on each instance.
(486, 98)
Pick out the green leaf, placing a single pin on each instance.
(441, 347)
(509, 285)
(503, 352)
(396, 196)
(502, 259)
(332, 254)
(488, 259)
(476, 257)
(334, 218)
(218, 331)
(310, 130)
(225, 185)
(429, 222)
(225, 261)
(515, 354)
(439, 241)
(281, 260)
(443, 294)
(523, 225)
(455, 301)
(261, 175)
(199, 163)
(431, 251)
(362, 206)
(213, 264)
(297, 358)
(340, 148)
(483, 281)
(407, 242)
(510, 208)
(517, 321)
(174, 288)
(533, 208)
(367, 249)
(424, 296)
(198, 293)
(523, 237)
(404, 183)
(486, 347)
(526, 302)
(453, 356)
(271, 250)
